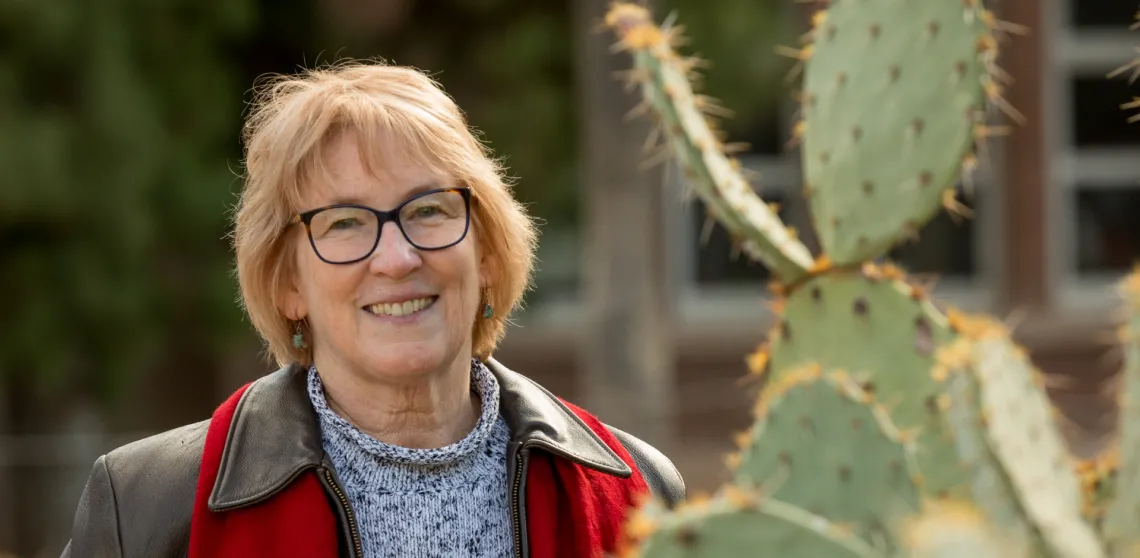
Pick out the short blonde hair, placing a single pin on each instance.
(294, 117)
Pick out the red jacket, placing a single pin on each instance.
(253, 481)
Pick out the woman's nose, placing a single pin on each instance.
(394, 255)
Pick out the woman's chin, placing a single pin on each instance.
(405, 360)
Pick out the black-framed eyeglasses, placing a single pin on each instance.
(349, 233)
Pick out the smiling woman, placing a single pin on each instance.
(379, 254)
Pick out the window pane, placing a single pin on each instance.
(944, 247)
(1102, 13)
(1098, 120)
(715, 262)
(1108, 232)
(764, 134)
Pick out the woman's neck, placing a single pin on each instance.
(432, 411)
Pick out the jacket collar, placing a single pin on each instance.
(275, 434)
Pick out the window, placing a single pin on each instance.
(1108, 231)
(1098, 120)
(1094, 157)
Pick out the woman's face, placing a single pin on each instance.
(352, 308)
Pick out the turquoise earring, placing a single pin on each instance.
(488, 311)
(299, 338)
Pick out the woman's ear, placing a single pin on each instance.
(484, 266)
(290, 301)
(483, 263)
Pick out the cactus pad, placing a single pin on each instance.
(892, 93)
(665, 87)
(738, 522)
(1123, 516)
(847, 463)
(954, 530)
(884, 332)
(1019, 424)
(992, 492)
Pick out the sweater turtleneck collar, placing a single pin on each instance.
(483, 383)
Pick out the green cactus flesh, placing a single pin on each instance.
(875, 326)
(736, 523)
(891, 90)
(823, 444)
(992, 492)
(726, 193)
(1019, 427)
(957, 532)
(1123, 515)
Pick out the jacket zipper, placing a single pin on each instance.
(348, 512)
(516, 487)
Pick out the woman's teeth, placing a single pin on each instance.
(402, 308)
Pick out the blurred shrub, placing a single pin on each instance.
(120, 118)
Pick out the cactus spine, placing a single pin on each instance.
(895, 105)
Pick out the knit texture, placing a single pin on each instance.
(449, 501)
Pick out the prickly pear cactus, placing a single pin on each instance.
(894, 94)
(740, 522)
(849, 464)
(1011, 411)
(951, 413)
(1122, 522)
(884, 332)
(993, 494)
(1018, 426)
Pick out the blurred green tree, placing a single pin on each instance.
(120, 125)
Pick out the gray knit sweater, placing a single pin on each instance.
(449, 501)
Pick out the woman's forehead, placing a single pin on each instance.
(344, 178)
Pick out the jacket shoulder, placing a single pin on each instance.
(157, 461)
(140, 496)
(663, 478)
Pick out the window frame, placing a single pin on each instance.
(1071, 53)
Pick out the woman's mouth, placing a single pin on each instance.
(405, 308)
